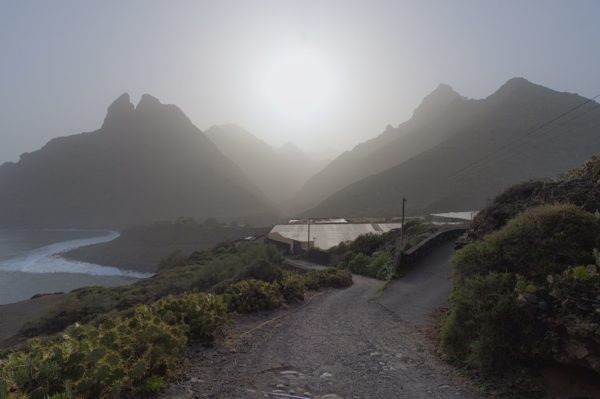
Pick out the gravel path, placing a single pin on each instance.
(341, 344)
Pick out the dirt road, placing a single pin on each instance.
(342, 344)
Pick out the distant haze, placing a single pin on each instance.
(320, 74)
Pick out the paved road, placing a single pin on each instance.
(414, 297)
(342, 344)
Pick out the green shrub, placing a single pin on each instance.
(359, 263)
(252, 295)
(202, 314)
(330, 277)
(485, 327)
(292, 287)
(379, 265)
(538, 242)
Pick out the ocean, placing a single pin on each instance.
(30, 263)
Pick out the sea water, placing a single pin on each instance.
(30, 263)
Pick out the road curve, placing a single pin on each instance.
(341, 344)
(426, 288)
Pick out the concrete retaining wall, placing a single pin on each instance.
(424, 247)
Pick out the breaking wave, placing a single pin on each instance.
(47, 259)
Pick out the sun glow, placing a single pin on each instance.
(298, 84)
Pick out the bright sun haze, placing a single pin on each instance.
(297, 84)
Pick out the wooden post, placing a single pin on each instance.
(308, 235)
(399, 242)
(402, 224)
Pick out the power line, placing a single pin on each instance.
(522, 138)
(516, 143)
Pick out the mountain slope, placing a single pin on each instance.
(146, 163)
(431, 180)
(279, 173)
(425, 129)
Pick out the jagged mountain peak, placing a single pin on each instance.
(120, 110)
(148, 101)
(519, 88)
(146, 163)
(436, 101)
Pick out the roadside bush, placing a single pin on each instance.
(252, 295)
(379, 265)
(202, 314)
(292, 287)
(485, 327)
(330, 277)
(516, 294)
(359, 263)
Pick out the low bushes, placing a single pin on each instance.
(330, 277)
(292, 286)
(379, 265)
(127, 355)
(252, 295)
(202, 315)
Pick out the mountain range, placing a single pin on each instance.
(455, 153)
(278, 172)
(149, 162)
(145, 163)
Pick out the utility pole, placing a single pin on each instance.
(402, 224)
(400, 241)
(308, 235)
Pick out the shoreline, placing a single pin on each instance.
(41, 269)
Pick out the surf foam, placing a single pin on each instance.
(47, 259)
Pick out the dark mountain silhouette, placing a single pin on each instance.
(146, 163)
(278, 172)
(425, 129)
(472, 129)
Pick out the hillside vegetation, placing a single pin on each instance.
(527, 287)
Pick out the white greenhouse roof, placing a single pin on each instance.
(326, 236)
(457, 215)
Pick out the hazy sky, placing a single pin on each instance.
(318, 73)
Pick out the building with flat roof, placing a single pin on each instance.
(325, 235)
